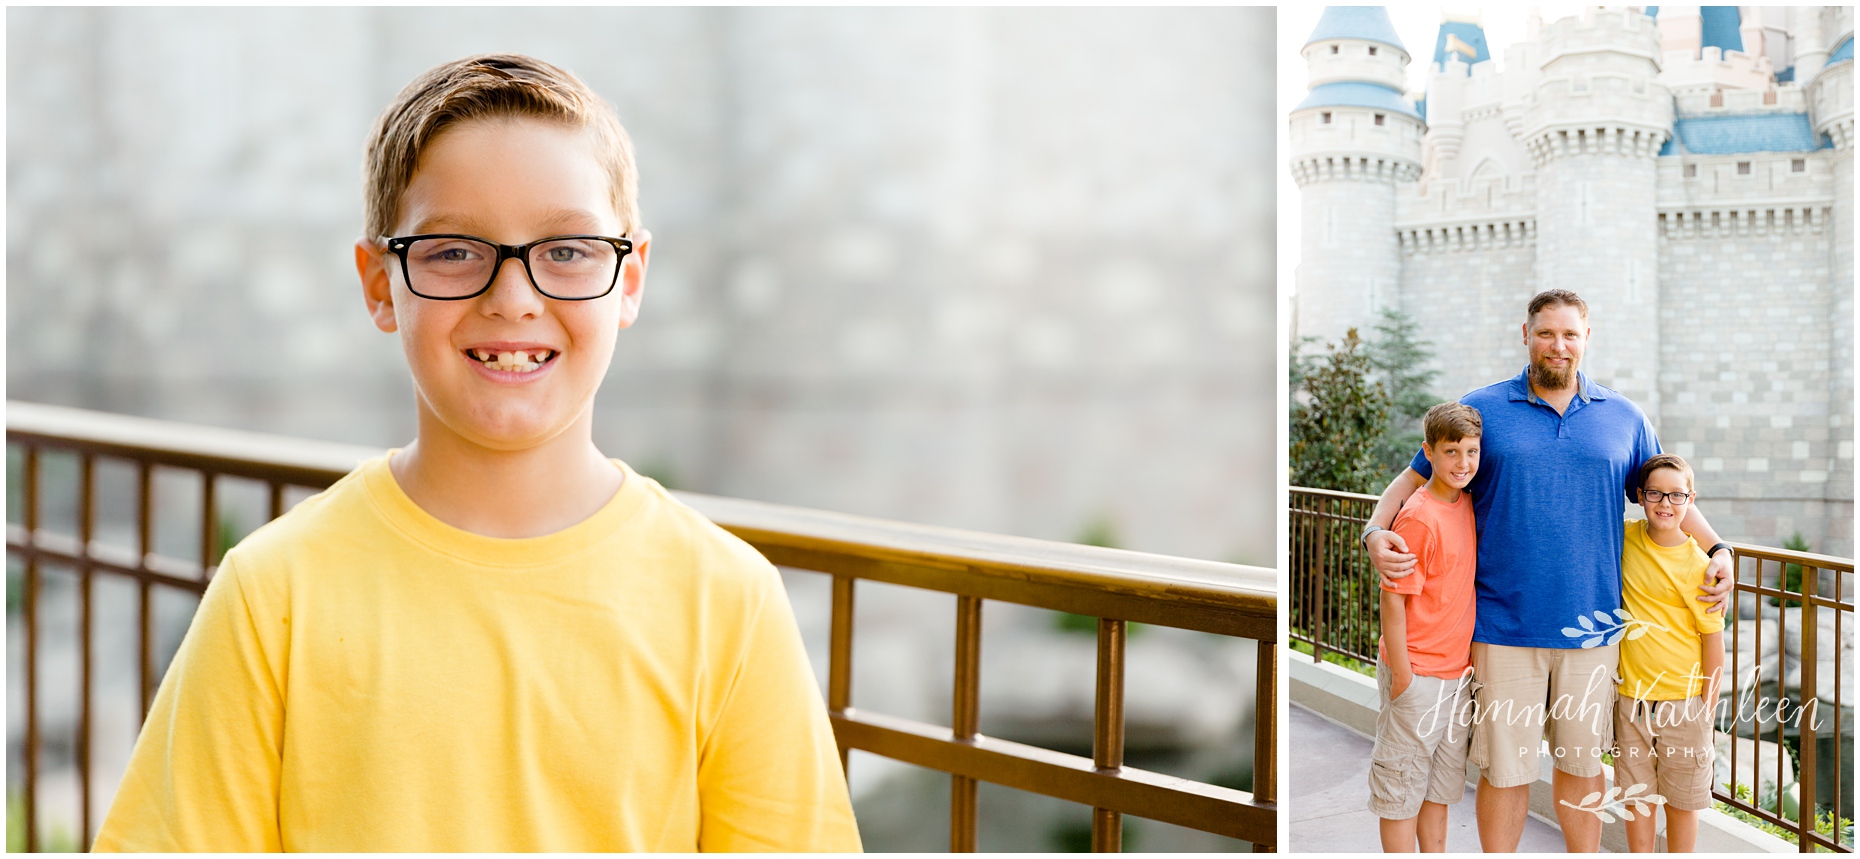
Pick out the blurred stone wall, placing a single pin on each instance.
(999, 269)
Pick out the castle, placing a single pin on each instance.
(1687, 170)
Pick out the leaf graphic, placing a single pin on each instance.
(1591, 642)
(1603, 617)
(1626, 814)
(1573, 632)
(1605, 816)
(1591, 797)
(1582, 620)
(1611, 794)
(1637, 632)
(1634, 789)
(1615, 637)
(1623, 614)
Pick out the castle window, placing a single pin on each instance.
(1379, 119)
(1797, 165)
(1769, 96)
(1743, 168)
(1333, 49)
(1372, 50)
(1326, 117)
(1692, 171)
(1717, 98)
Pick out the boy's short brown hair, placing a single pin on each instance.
(1556, 298)
(1659, 461)
(1451, 422)
(489, 86)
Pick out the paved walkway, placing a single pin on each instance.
(1329, 769)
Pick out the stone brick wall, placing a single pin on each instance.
(1001, 269)
(1470, 306)
(1747, 334)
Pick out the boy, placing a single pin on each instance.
(495, 638)
(1418, 767)
(1669, 675)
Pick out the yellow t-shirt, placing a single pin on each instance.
(362, 676)
(1659, 584)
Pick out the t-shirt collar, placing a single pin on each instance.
(1586, 389)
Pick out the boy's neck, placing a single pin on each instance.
(510, 494)
(1441, 491)
(1667, 537)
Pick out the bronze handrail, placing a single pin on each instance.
(1326, 556)
(1116, 586)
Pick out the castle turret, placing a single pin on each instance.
(1596, 120)
(1353, 139)
(1831, 112)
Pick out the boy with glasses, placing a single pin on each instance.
(495, 638)
(1670, 663)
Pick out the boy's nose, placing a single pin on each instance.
(512, 283)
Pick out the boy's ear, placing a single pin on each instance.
(633, 277)
(377, 290)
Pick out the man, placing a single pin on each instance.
(1559, 458)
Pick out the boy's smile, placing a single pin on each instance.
(510, 368)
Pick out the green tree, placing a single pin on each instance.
(1402, 364)
(1338, 413)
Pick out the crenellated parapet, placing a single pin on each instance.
(1726, 221)
(1353, 168)
(1547, 144)
(1598, 93)
(1481, 235)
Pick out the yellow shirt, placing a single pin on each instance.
(1659, 585)
(362, 676)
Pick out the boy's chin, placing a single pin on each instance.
(510, 428)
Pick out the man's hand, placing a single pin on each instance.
(1719, 579)
(1388, 552)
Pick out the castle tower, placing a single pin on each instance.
(1596, 121)
(1831, 110)
(1353, 139)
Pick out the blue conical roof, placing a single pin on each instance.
(1368, 23)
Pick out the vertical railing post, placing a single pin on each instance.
(1107, 826)
(1323, 528)
(965, 719)
(1808, 711)
(145, 644)
(839, 656)
(1266, 732)
(32, 649)
(209, 523)
(87, 504)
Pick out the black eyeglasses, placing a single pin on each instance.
(450, 267)
(1653, 496)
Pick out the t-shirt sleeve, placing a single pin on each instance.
(1705, 622)
(204, 772)
(1421, 466)
(769, 776)
(1420, 540)
(1646, 446)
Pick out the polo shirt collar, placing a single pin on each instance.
(1586, 389)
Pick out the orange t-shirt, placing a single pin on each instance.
(1440, 608)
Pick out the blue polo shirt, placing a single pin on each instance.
(1548, 502)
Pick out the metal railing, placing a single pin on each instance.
(1334, 607)
(1118, 587)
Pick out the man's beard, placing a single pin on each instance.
(1547, 378)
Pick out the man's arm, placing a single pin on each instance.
(1387, 550)
(1395, 642)
(1719, 577)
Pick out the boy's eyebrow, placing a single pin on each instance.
(553, 222)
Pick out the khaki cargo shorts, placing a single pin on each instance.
(1420, 749)
(1531, 694)
(1666, 745)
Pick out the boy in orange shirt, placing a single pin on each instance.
(1418, 767)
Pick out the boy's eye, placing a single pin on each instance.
(561, 253)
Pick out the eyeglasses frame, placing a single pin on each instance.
(400, 245)
(1646, 495)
